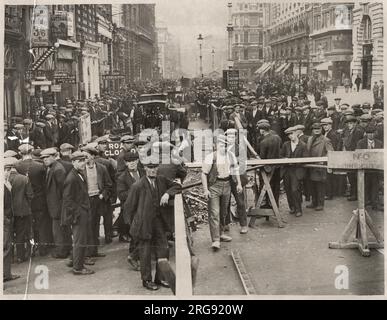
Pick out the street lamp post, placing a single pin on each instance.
(213, 59)
(200, 39)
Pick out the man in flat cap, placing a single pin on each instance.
(55, 177)
(64, 157)
(252, 117)
(318, 146)
(76, 212)
(293, 175)
(127, 146)
(309, 118)
(8, 217)
(142, 211)
(371, 179)
(41, 221)
(50, 131)
(124, 183)
(22, 195)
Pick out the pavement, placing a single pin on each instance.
(351, 97)
(294, 260)
(113, 276)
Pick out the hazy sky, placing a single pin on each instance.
(185, 19)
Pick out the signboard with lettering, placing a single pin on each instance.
(231, 79)
(85, 128)
(40, 27)
(59, 25)
(112, 76)
(358, 159)
(113, 149)
(48, 97)
(64, 77)
(56, 88)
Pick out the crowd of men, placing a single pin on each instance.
(57, 189)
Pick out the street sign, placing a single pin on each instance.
(231, 79)
(85, 128)
(358, 159)
(56, 88)
(40, 27)
(113, 149)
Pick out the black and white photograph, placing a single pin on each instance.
(174, 149)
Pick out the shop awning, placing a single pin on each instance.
(286, 67)
(261, 68)
(323, 66)
(279, 69)
(271, 64)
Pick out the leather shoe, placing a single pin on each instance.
(83, 272)
(310, 206)
(319, 208)
(89, 262)
(99, 255)
(215, 245)
(298, 214)
(11, 277)
(244, 230)
(134, 264)
(328, 197)
(352, 199)
(162, 283)
(123, 239)
(292, 211)
(150, 285)
(70, 264)
(108, 240)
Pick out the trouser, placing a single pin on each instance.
(334, 89)
(133, 249)
(22, 228)
(62, 238)
(352, 178)
(275, 184)
(306, 187)
(331, 185)
(318, 193)
(7, 248)
(241, 206)
(123, 229)
(160, 246)
(108, 221)
(357, 87)
(41, 226)
(371, 184)
(98, 208)
(80, 240)
(340, 184)
(293, 189)
(218, 204)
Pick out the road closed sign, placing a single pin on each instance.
(113, 149)
(358, 159)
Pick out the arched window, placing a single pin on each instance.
(367, 28)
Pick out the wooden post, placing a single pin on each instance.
(183, 258)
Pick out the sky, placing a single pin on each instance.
(185, 19)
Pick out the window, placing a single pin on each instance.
(236, 38)
(246, 36)
(253, 53)
(260, 20)
(253, 20)
(260, 53)
(367, 28)
(254, 37)
(245, 54)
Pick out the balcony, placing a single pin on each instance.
(287, 37)
(331, 28)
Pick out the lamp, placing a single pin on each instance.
(200, 40)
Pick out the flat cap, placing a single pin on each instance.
(10, 162)
(262, 121)
(295, 98)
(66, 146)
(331, 108)
(49, 116)
(370, 129)
(91, 148)
(326, 121)
(78, 155)
(298, 108)
(305, 107)
(319, 103)
(375, 111)
(316, 125)
(127, 139)
(366, 105)
(103, 139)
(36, 153)
(10, 153)
(264, 125)
(18, 126)
(307, 102)
(290, 130)
(131, 156)
(337, 98)
(348, 112)
(261, 99)
(350, 118)
(228, 107)
(48, 152)
(365, 117)
(27, 121)
(25, 148)
(40, 124)
(299, 127)
(356, 106)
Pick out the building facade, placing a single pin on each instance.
(368, 42)
(247, 23)
(331, 41)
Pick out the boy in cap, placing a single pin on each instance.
(8, 217)
(21, 205)
(76, 212)
(65, 153)
(293, 175)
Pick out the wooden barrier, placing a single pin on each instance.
(183, 258)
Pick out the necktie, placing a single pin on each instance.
(135, 175)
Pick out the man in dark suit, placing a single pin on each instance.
(142, 210)
(127, 146)
(55, 177)
(371, 179)
(270, 148)
(309, 118)
(252, 118)
(293, 175)
(335, 116)
(63, 130)
(332, 180)
(9, 163)
(318, 146)
(76, 212)
(49, 131)
(41, 220)
(352, 135)
(65, 153)
(124, 183)
(22, 195)
(100, 188)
